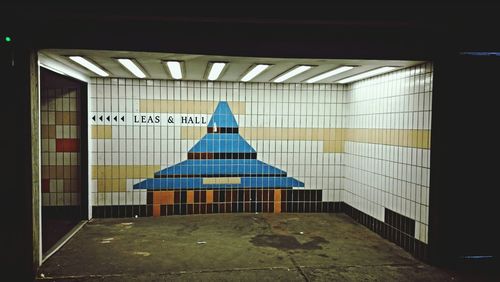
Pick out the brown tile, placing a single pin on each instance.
(44, 131)
(45, 171)
(67, 171)
(59, 172)
(156, 210)
(73, 118)
(67, 185)
(59, 118)
(52, 171)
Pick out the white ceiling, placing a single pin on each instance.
(195, 66)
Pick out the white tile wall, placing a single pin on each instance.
(267, 105)
(382, 176)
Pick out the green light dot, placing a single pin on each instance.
(8, 39)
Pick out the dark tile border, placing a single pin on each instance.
(415, 247)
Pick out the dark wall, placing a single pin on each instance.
(16, 142)
(464, 160)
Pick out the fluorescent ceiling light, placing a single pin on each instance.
(366, 74)
(52, 69)
(175, 69)
(216, 70)
(256, 70)
(292, 73)
(90, 66)
(132, 67)
(329, 74)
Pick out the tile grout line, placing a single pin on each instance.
(299, 269)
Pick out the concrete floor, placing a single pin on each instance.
(234, 247)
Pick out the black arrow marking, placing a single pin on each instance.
(100, 118)
(93, 118)
(116, 118)
(123, 118)
(108, 118)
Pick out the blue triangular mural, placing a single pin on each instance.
(221, 159)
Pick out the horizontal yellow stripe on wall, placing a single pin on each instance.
(415, 138)
(333, 146)
(188, 107)
(221, 180)
(313, 134)
(123, 171)
(332, 137)
(111, 185)
(272, 133)
(101, 132)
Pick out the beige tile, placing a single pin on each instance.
(101, 132)
(221, 180)
(123, 171)
(193, 107)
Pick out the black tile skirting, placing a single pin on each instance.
(408, 242)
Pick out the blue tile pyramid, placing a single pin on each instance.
(221, 159)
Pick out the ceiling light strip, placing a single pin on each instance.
(329, 74)
(132, 67)
(256, 70)
(293, 72)
(174, 67)
(366, 74)
(88, 65)
(216, 70)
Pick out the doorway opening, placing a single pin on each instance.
(63, 135)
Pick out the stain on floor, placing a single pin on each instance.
(287, 242)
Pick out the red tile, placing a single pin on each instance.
(67, 145)
(45, 185)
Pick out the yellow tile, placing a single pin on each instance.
(123, 171)
(111, 185)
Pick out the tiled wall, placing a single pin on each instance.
(60, 147)
(387, 151)
(294, 127)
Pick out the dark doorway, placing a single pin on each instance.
(63, 127)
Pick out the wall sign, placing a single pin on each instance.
(163, 119)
